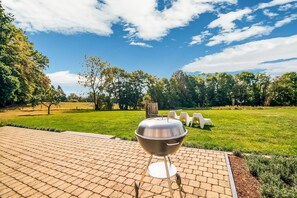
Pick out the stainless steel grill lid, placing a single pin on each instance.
(160, 128)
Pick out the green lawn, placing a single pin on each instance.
(268, 131)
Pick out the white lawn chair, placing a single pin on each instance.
(195, 119)
(173, 115)
(202, 121)
(184, 117)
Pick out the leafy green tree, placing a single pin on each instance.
(261, 89)
(158, 92)
(173, 94)
(114, 78)
(182, 90)
(51, 96)
(94, 78)
(9, 84)
(283, 90)
(138, 83)
(211, 90)
(225, 84)
(21, 65)
(63, 98)
(73, 97)
(246, 82)
(200, 91)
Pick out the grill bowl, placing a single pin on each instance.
(159, 136)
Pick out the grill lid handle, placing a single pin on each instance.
(172, 144)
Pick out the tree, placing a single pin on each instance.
(20, 64)
(94, 78)
(247, 84)
(63, 98)
(51, 96)
(225, 83)
(114, 78)
(9, 84)
(261, 89)
(200, 91)
(158, 92)
(138, 84)
(73, 97)
(283, 90)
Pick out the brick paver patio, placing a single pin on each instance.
(47, 164)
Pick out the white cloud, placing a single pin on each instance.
(196, 40)
(199, 38)
(239, 34)
(68, 81)
(140, 16)
(247, 32)
(250, 17)
(60, 16)
(269, 14)
(63, 78)
(141, 44)
(152, 24)
(287, 7)
(274, 3)
(286, 20)
(250, 56)
(226, 21)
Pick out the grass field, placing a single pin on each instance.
(268, 130)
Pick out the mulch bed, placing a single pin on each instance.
(246, 185)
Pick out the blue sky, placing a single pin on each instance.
(161, 37)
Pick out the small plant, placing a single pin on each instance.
(277, 175)
(124, 138)
(237, 153)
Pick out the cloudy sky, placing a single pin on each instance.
(162, 36)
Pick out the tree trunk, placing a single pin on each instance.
(95, 101)
(49, 109)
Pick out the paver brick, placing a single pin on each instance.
(86, 193)
(211, 194)
(41, 164)
(218, 189)
(107, 192)
(199, 192)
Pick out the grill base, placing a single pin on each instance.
(162, 170)
(158, 170)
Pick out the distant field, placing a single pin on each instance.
(267, 130)
(64, 105)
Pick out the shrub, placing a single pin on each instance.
(237, 153)
(277, 175)
(124, 138)
(134, 138)
(2, 124)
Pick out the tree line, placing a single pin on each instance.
(111, 85)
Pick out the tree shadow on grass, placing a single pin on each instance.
(79, 111)
(31, 115)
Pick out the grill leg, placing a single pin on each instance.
(169, 159)
(145, 170)
(136, 188)
(168, 177)
(178, 181)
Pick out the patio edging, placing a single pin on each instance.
(231, 179)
